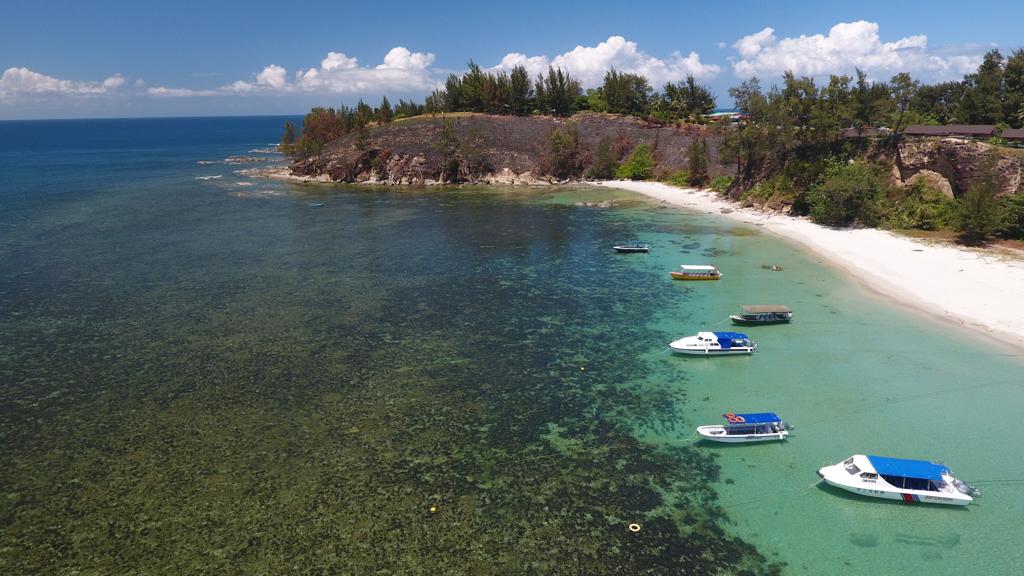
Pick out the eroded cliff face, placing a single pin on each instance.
(952, 164)
(495, 149)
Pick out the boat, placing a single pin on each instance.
(632, 247)
(762, 314)
(714, 344)
(899, 479)
(741, 428)
(315, 204)
(696, 272)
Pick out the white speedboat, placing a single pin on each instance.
(899, 479)
(738, 428)
(632, 247)
(714, 344)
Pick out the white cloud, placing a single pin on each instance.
(273, 76)
(589, 63)
(22, 81)
(848, 45)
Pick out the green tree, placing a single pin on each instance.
(447, 144)
(902, 88)
(626, 93)
(687, 99)
(605, 161)
(639, 165)
(564, 155)
(361, 135)
(287, 145)
(697, 162)
(1013, 81)
(384, 113)
(556, 92)
(847, 194)
(1013, 216)
(977, 212)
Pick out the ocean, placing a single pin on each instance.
(202, 372)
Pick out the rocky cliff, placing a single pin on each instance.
(952, 164)
(493, 149)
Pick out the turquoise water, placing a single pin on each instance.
(212, 376)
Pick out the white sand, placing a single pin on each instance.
(980, 291)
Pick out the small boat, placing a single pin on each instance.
(315, 204)
(899, 479)
(632, 247)
(762, 314)
(740, 428)
(714, 344)
(696, 272)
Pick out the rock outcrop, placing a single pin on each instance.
(952, 164)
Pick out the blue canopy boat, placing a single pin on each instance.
(753, 427)
(899, 479)
(714, 344)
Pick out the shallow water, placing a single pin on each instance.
(213, 375)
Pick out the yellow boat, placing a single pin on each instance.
(694, 272)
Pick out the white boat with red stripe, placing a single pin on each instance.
(910, 481)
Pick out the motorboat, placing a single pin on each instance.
(899, 479)
(714, 344)
(632, 247)
(762, 314)
(741, 428)
(696, 272)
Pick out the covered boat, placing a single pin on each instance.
(633, 246)
(696, 272)
(899, 479)
(762, 314)
(714, 344)
(755, 427)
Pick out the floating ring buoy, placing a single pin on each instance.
(734, 419)
(634, 527)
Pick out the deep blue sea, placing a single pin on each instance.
(203, 372)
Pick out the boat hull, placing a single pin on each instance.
(836, 476)
(741, 321)
(627, 250)
(692, 277)
(739, 351)
(717, 433)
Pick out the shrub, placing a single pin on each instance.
(847, 194)
(639, 165)
(679, 178)
(922, 208)
(563, 156)
(721, 183)
(977, 212)
(1013, 216)
(697, 162)
(605, 162)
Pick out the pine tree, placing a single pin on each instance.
(385, 114)
(287, 145)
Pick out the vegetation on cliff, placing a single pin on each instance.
(787, 151)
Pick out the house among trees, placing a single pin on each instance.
(1015, 135)
(960, 130)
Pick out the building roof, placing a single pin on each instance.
(753, 418)
(907, 468)
(1013, 134)
(951, 130)
(766, 309)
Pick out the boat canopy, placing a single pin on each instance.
(908, 468)
(754, 418)
(727, 339)
(697, 268)
(766, 309)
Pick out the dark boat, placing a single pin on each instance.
(763, 314)
(635, 246)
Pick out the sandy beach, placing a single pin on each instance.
(976, 290)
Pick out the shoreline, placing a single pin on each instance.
(967, 288)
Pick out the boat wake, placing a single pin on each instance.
(208, 177)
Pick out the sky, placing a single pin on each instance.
(116, 58)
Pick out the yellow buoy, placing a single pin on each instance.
(433, 508)
(634, 527)
(583, 368)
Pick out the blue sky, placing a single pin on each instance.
(117, 58)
